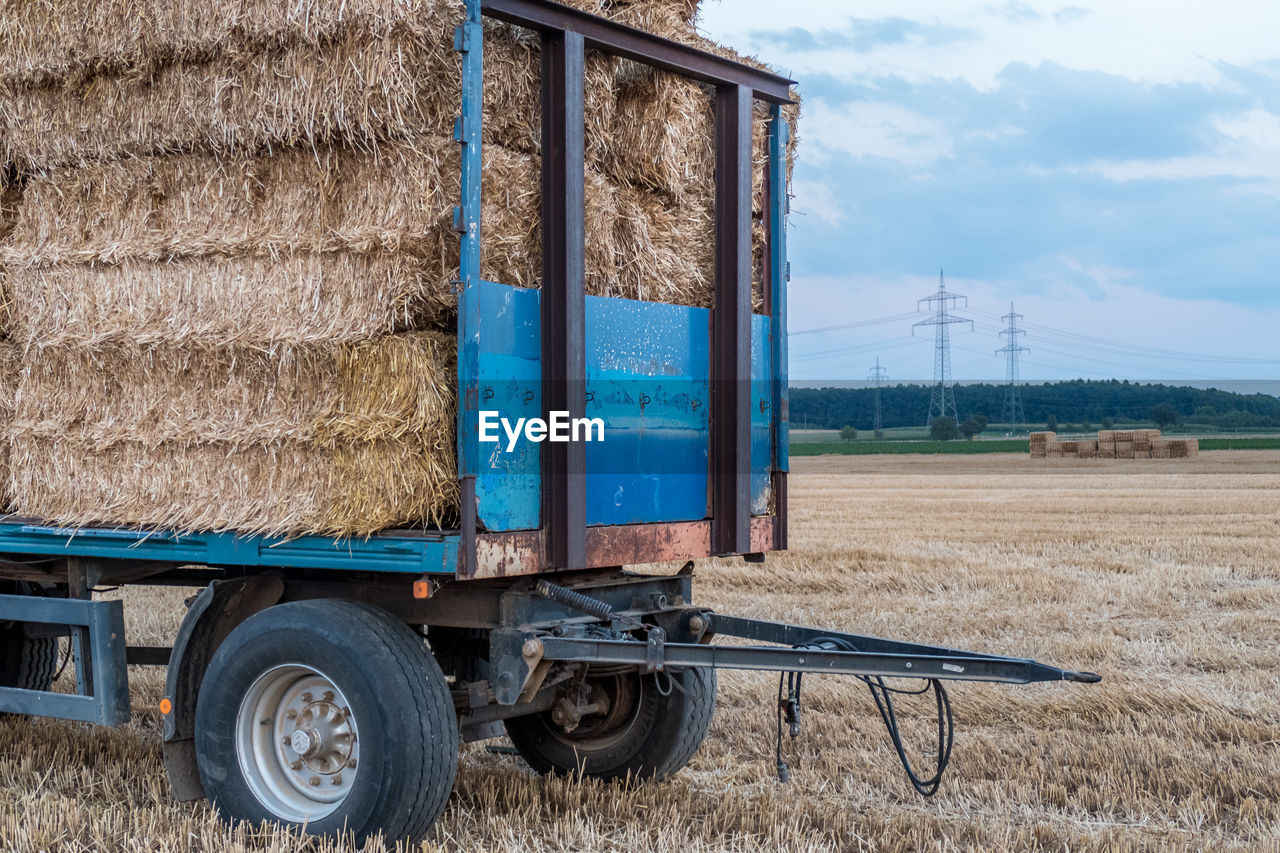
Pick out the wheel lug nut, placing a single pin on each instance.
(286, 741)
(336, 779)
(352, 764)
(291, 714)
(306, 697)
(314, 780)
(328, 696)
(297, 765)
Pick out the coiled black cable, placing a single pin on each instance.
(789, 687)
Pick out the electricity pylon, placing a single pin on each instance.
(1011, 414)
(877, 376)
(942, 400)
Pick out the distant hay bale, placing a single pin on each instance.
(341, 440)
(1069, 448)
(1088, 451)
(1141, 445)
(1043, 437)
(1107, 451)
(1038, 451)
(1161, 450)
(1106, 436)
(1125, 436)
(1124, 450)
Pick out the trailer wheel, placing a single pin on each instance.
(331, 714)
(649, 727)
(25, 662)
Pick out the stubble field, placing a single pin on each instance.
(1162, 576)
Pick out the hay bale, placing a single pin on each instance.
(1054, 450)
(664, 251)
(1088, 451)
(341, 440)
(1142, 445)
(276, 489)
(1043, 437)
(362, 88)
(1124, 450)
(1107, 451)
(1161, 451)
(1069, 448)
(1125, 436)
(1038, 451)
(297, 247)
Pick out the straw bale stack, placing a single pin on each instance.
(227, 235)
(1114, 444)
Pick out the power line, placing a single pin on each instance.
(896, 318)
(1042, 330)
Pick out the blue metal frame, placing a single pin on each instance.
(394, 551)
(108, 704)
(780, 272)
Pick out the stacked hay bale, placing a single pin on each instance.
(1114, 444)
(227, 249)
(1040, 442)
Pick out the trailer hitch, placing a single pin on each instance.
(794, 651)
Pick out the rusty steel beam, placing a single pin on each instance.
(564, 365)
(630, 43)
(731, 327)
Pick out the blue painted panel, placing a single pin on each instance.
(508, 485)
(648, 378)
(762, 415)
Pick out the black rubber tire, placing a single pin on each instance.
(659, 739)
(26, 662)
(397, 694)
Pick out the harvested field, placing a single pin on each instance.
(1164, 579)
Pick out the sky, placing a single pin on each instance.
(1112, 169)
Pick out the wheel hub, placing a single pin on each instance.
(323, 739)
(297, 742)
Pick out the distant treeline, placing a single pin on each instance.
(1083, 402)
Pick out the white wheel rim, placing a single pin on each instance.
(297, 743)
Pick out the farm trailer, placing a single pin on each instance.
(328, 682)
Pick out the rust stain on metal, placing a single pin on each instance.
(504, 555)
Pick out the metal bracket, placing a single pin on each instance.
(103, 686)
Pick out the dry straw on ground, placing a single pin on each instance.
(1175, 750)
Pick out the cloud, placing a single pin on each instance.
(1023, 13)
(862, 35)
